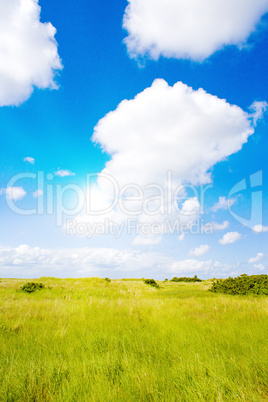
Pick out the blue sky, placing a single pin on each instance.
(52, 120)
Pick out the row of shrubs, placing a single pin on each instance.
(153, 283)
(185, 279)
(31, 287)
(242, 285)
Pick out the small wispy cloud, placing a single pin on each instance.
(181, 237)
(38, 193)
(261, 267)
(216, 226)
(29, 159)
(146, 241)
(199, 251)
(258, 110)
(64, 173)
(260, 229)
(223, 203)
(13, 193)
(256, 259)
(229, 238)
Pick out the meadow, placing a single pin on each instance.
(94, 340)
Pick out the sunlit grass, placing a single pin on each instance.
(88, 339)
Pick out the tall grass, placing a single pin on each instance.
(91, 340)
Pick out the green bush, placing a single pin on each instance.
(242, 285)
(151, 282)
(186, 279)
(107, 280)
(31, 287)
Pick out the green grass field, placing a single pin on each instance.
(90, 340)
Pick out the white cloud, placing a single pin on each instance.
(230, 237)
(223, 203)
(189, 29)
(147, 227)
(256, 259)
(260, 229)
(146, 241)
(261, 267)
(258, 109)
(80, 262)
(28, 51)
(29, 159)
(13, 193)
(64, 173)
(213, 226)
(191, 206)
(191, 266)
(199, 251)
(181, 237)
(32, 262)
(162, 138)
(37, 193)
(173, 129)
(208, 269)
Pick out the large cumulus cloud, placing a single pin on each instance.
(170, 128)
(28, 51)
(165, 137)
(189, 29)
